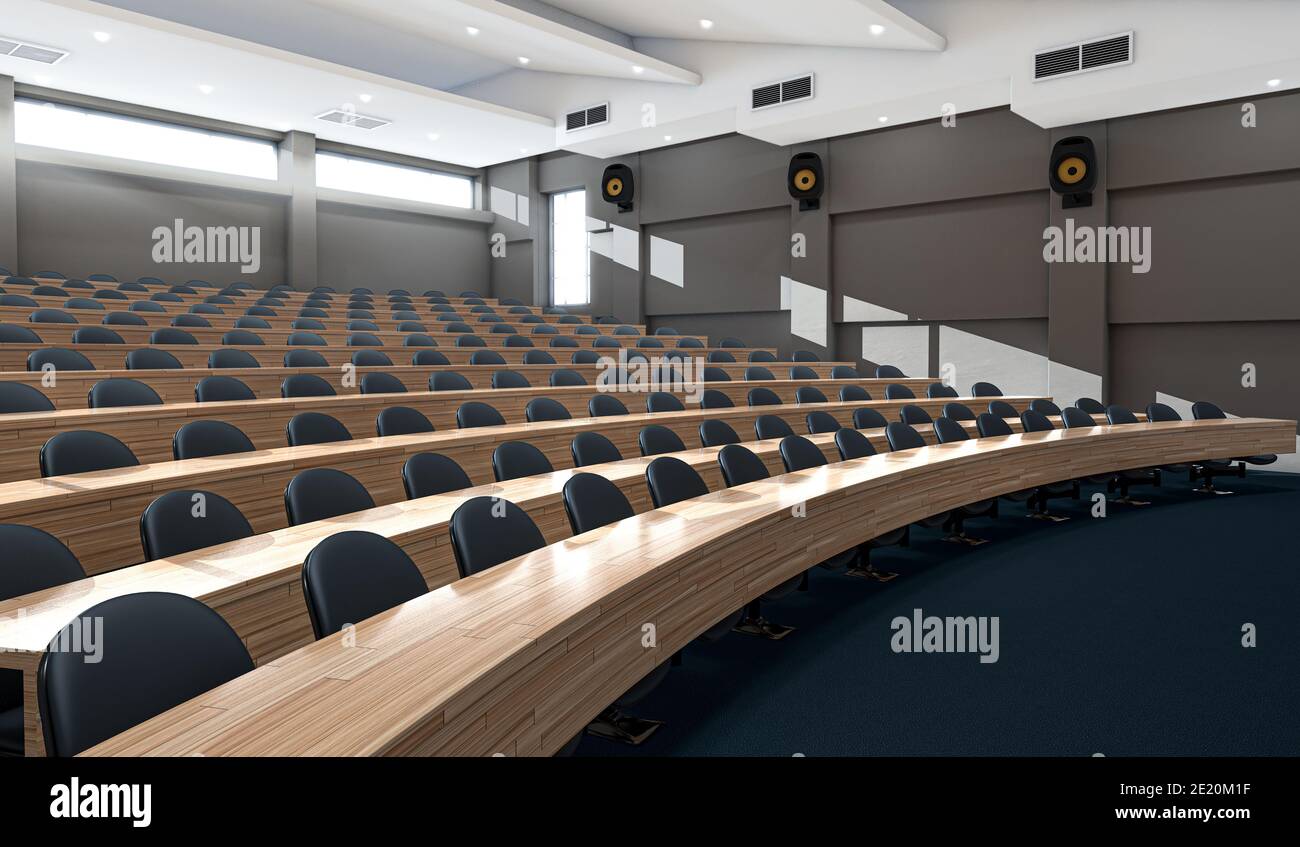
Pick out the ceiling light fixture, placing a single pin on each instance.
(876, 29)
(668, 138)
(103, 37)
(206, 89)
(637, 69)
(433, 136)
(523, 60)
(884, 119)
(472, 30)
(705, 23)
(1274, 83)
(365, 98)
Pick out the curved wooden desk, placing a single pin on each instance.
(518, 658)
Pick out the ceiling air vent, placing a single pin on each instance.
(34, 52)
(1083, 56)
(590, 116)
(783, 91)
(343, 117)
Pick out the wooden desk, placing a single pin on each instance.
(96, 515)
(285, 315)
(518, 658)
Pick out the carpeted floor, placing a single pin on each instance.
(1119, 635)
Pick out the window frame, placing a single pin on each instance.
(374, 161)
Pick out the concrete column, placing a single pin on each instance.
(298, 170)
(814, 267)
(8, 178)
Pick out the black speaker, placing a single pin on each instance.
(617, 186)
(1072, 172)
(806, 180)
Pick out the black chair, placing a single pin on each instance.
(592, 448)
(809, 394)
(585, 357)
(187, 520)
(1117, 415)
(545, 409)
(802, 372)
(562, 341)
(96, 335)
(191, 321)
(516, 459)
(1002, 409)
(1045, 407)
(51, 316)
(245, 338)
(230, 358)
(712, 398)
(307, 324)
(605, 405)
(914, 415)
(901, 436)
(322, 493)
(1090, 406)
(565, 376)
(806, 356)
(117, 392)
(475, 414)
(467, 340)
(124, 319)
(304, 359)
(305, 385)
(771, 426)
(720, 357)
(716, 433)
(958, 412)
(662, 401)
(757, 373)
(369, 358)
(58, 359)
(763, 397)
(1075, 418)
(17, 397)
(655, 439)
(417, 339)
(216, 389)
(171, 335)
(821, 421)
(449, 381)
(852, 444)
(315, 428)
(355, 575)
(510, 379)
(166, 649)
(538, 357)
(428, 474)
(430, 357)
(152, 359)
(866, 418)
(889, 372)
(853, 394)
(985, 389)
(486, 357)
(894, 391)
(200, 439)
(937, 390)
(1203, 410)
(761, 356)
(382, 383)
(83, 451)
(401, 420)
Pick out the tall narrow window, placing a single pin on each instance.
(570, 259)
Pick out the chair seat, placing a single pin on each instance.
(1263, 459)
(11, 732)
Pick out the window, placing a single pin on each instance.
(570, 258)
(106, 134)
(368, 176)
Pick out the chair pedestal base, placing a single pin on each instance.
(614, 725)
(963, 538)
(1129, 501)
(868, 571)
(1048, 516)
(753, 623)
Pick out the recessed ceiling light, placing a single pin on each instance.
(705, 23)
(472, 30)
(365, 98)
(523, 60)
(1274, 83)
(876, 29)
(206, 89)
(884, 119)
(433, 136)
(523, 150)
(103, 37)
(668, 138)
(637, 69)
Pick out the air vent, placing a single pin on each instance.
(1084, 56)
(590, 116)
(784, 91)
(343, 117)
(33, 52)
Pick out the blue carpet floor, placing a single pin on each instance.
(1119, 635)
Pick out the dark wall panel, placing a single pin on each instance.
(512, 274)
(719, 176)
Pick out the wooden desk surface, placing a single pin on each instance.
(518, 658)
(250, 294)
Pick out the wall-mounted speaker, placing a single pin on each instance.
(1072, 172)
(806, 180)
(617, 186)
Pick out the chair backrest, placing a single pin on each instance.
(51, 316)
(1203, 410)
(1074, 418)
(1162, 412)
(655, 439)
(7, 299)
(510, 379)
(585, 357)
(690, 343)
(1031, 421)
(203, 438)
(124, 319)
(96, 335)
(516, 459)
(110, 393)
(475, 414)
(185, 520)
(79, 302)
(382, 383)
(763, 397)
(914, 415)
(902, 436)
(592, 448)
(427, 474)
(230, 358)
(894, 391)
(320, 493)
(83, 451)
(771, 426)
(592, 501)
(166, 649)
(958, 411)
(369, 358)
(304, 359)
(740, 465)
(716, 375)
(315, 428)
(242, 336)
(355, 575)
(518, 341)
(538, 357)
(466, 340)
(401, 420)
(486, 357)
(720, 356)
(662, 401)
(1089, 405)
(448, 381)
(985, 389)
(418, 339)
(486, 531)
(16, 397)
(715, 399)
(191, 320)
(306, 323)
(889, 372)
(762, 356)
(715, 433)
(671, 480)
(565, 376)
(866, 418)
(605, 405)
(151, 359)
(937, 390)
(1002, 409)
(990, 425)
(809, 394)
(853, 394)
(34, 560)
(58, 358)
(545, 409)
(304, 339)
(853, 444)
(305, 385)
(802, 372)
(562, 341)
(430, 357)
(171, 335)
(215, 389)
(1117, 414)
(361, 325)
(1045, 407)
(947, 430)
(821, 421)
(798, 454)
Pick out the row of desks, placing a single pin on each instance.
(517, 659)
